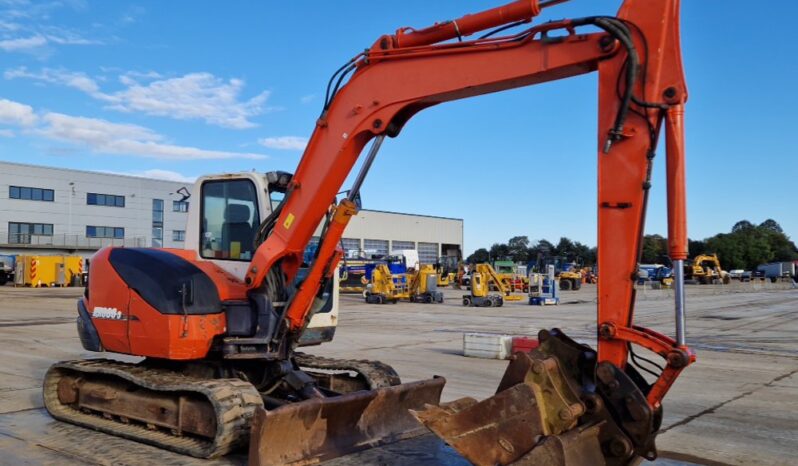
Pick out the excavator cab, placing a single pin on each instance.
(225, 212)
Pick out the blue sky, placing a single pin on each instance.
(177, 89)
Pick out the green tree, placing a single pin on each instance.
(499, 251)
(584, 252)
(479, 256)
(565, 248)
(730, 250)
(696, 247)
(655, 249)
(771, 225)
(518, 247)
(742, 225)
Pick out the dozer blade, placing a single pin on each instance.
(324, 428)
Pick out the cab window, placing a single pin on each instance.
(230, 219)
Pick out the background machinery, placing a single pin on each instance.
(509, 273)
(446, 267)
(657, 273)
(705, 269)
(543, 289)
(385, 287)
(569, 273)
(420, 286)
(219, 325)
(484, 279)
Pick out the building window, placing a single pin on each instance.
(179, 206)
(178, 235)
(108, 200)
(31, 194)
(157, 223)
(20, 233)
(428, 253)
(104, 232)
(157, 237)
(157, 212)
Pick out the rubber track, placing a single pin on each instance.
(377, 374)
(233, 400)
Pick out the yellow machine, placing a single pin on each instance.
(482, 278)
(570, 279)
(385, 287)
(423, 285)
(508, 273)
(38, 271)
(706, 269)
(419, 286)
(446, 268)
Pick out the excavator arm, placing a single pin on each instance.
(641, 89)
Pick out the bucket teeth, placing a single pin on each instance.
(498, 430)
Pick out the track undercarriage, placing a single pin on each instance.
(207, 410)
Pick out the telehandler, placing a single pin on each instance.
(218, 325)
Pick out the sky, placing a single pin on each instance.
(183, 88)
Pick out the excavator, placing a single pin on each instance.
(706, 270)
(219, 346)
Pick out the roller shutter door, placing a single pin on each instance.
(428, 253)
(350, 244)
(400, 245)
(376, 246)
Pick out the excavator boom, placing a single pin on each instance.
(641, 89)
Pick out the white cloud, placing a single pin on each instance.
(194, 96)
(200, 96)
(23, 43)
(16, 113)
(285, 142)
(306, 99)
(63, 77)
(7, 133)
(113, 138)
(168, 175)
(156, 174)
(27, 27)
(105, 137)
(9, 26)
(66, 37)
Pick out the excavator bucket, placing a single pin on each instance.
(324, 428)
(531, 420)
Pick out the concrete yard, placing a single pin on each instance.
(737, 405)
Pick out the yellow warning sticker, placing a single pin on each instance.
(288, 221)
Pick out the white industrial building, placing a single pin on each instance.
(46, 210)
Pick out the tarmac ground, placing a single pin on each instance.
(738, 404)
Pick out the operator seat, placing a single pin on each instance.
(237, 228)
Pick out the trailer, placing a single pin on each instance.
(47, 271)
(777, 270)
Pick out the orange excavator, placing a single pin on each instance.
(220, 365)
